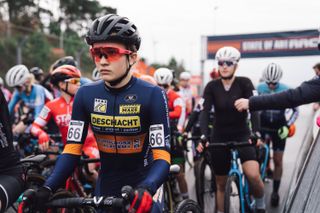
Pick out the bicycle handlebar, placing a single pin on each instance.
(231, 144)
(97, 202)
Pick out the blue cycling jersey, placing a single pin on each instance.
(274, 119)
(84, 80)
(35, 100)
(131, 126)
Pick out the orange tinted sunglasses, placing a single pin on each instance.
(110, 53)
(73, 80)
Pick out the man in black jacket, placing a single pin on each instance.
(307, 92)
(11, 184)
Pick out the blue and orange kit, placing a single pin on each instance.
(131, 126)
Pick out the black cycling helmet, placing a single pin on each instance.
(67, 60)
(36, 71)
(114, 28)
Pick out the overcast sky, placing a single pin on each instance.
(174, 27)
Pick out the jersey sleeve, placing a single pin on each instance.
(249, 88)
(207, 105)
(159, 139)
(307, 92)
(254, 116)
(41, 121)
(159, 130)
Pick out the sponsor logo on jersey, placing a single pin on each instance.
(44, 112)
(116, 121)
(120, 144)
(130, 109)
(63, 120)
(100, 105)
(131, 98)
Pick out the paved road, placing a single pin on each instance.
(290, 156)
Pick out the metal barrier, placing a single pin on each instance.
(303, 193)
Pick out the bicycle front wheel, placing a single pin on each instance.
(188, 205)
(168, 198)
(205, 186)
(232, 202)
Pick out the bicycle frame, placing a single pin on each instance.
(236, 170)
(263, 166)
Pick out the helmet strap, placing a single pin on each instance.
(66, 90)
(117, 81)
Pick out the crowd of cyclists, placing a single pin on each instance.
(134, 123)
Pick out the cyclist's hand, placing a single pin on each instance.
(260, 142)
(43, 140)
(283, 132)
(200, 146)
(241, 104)
(37, 198)
(141, 202)
(256, 139)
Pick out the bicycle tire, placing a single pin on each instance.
(188, 205)
(205, 186)
(168, 198)
(232, 203)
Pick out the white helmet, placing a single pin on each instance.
(272, 73)
(1, 81)
(17, 75)
(185, 76)
(95, 74)
(228, 54)
(163, 76)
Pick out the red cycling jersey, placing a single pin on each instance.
(60, 111)
(175, 103)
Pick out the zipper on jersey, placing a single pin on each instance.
(114, 123)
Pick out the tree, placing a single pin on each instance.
(25, 13)
(76, 14)
(36, 51)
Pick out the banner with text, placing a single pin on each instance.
(291, 43)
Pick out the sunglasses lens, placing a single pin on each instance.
(271, 83)
(228, 63)
(110, 53)
(73, 80)
(163, 85)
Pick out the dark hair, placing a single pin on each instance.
(316, 66)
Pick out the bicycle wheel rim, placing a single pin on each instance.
(232, 202)
(206, 187)
(167, 198)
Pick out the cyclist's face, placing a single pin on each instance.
(317, 71)
(183, 82)
(111, 59)
(73, 85)
(227, 69)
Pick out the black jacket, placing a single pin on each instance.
(8, 156)
(307, 92)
